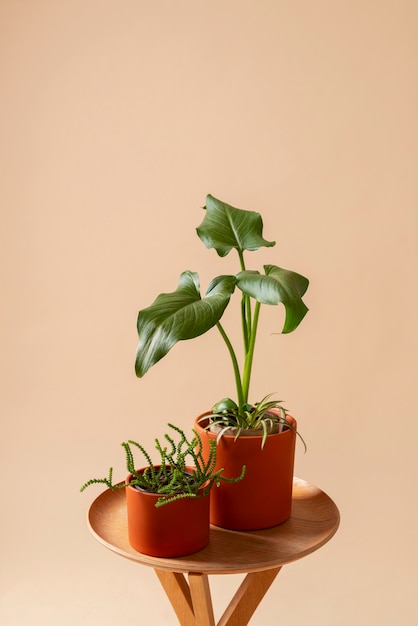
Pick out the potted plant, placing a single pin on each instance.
(168, 503)
(261, 431)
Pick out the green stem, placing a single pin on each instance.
(241, 259)
(246, 317)
(249, 317)
(250, 354)
(235, 365)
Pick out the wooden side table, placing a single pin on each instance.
(259, 554)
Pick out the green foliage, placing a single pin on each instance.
(184, 314)
(180, 315)
(227, 415)
(181, 472)
(224, 227)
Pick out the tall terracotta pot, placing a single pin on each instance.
(175, 529)
(264, 497)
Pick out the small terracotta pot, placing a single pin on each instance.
(264, 497)
(175, 529)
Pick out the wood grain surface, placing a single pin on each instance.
(313, 521)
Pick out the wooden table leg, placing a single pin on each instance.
(178, 592)
(247, 598)
(192, 602)
(202, 600)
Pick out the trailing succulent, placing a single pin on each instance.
(185, 314)
(172, 477)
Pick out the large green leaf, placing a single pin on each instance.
(179, 315)
(276, 286)
(225, 227)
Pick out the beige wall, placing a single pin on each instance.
(117, 118)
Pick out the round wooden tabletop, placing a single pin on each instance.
(314, 520)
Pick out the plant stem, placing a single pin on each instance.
(241, 259)
(235, 365)
(246, 320)
(250, 354)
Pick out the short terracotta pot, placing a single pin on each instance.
(263, 499)
(175, 529)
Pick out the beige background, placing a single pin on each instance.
(117, 118)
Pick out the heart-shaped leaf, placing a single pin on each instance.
(225, 227)
(276, 286)
(179, 315)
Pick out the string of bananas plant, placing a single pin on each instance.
(173, 477)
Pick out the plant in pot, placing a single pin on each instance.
(168, 502)
(259, 434)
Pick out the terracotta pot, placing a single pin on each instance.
(176, 529)
(264, 497)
